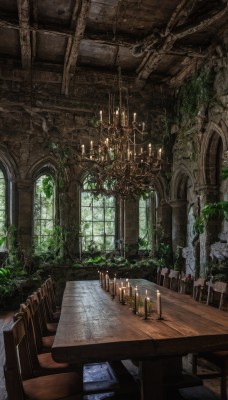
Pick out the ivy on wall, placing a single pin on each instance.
(193, 94)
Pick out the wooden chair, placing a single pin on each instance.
(216, 291)
(42, 364)
(20, 381)
(48, 326)
(198, 287)
(163, 277)
(50, 291)
(174, 279)
(217, 360)
(186, 284)
(45, 339)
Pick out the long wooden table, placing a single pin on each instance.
(94, 327)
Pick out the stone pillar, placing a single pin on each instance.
(179, 223)
(211, 230)
(25, 214)
(131, 227)
(164, 220)
(69, 206)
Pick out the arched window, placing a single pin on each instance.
(97, 220)
(147, 220)
(44, 211)
(3, 209)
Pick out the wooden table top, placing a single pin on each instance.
(94, 328)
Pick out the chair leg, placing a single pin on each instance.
(224, 387)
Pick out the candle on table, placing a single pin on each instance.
(114, 284)
(145, 308)
(136, 300)
(159, 310)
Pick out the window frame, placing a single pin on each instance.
(37, 238)
(91, 239)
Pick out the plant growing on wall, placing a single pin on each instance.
(193, 94)
(212, 211)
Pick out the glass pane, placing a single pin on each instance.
(110, 243)
(110, 228)
(98, 228)
(98, 214)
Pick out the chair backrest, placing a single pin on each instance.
(39, 316)
(198, 286)
(26, 314)
(163, 277)
(17, 360)
(217, 288)
(51, 293)
(174, 278)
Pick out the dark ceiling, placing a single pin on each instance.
(79, 42)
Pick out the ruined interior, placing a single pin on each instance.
(58, 63)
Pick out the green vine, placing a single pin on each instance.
(191, 96)
(212, 210)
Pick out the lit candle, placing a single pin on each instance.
(145, 308)
(123, 295)
(159, 153)
(134, 117)
(136, 300)
(123, 118)
(149, 146)
(91, 145)
(83, 149)
(143, 126)
(114, 284)
(159, 310)
(101, 116)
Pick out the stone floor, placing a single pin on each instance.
(209, 391)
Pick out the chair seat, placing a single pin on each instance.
(53, 387)
(52, 326)
(46, 362)
(47, 342)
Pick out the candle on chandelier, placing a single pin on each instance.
(159, 153)
(83, 149)
(143, 126)
(150, 149)
(134, 117)
(100, 115)
(91, 145)
(123, 118)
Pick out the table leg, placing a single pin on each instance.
(156, 373)
(151, 375)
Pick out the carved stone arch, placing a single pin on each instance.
(159, 187)
(179, 183)
(214, 137)
(9, 165)
(45, 164)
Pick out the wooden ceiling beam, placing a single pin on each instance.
(80, 14)
(150, 62)
(25, 41)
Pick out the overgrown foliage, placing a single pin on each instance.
(193, 94)
(212, 211)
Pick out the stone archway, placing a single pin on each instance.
(212, 189)
(183, 216)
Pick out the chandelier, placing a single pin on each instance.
(125, 162)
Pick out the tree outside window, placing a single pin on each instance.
(44, 210)
(147, 221)
(97, 220)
